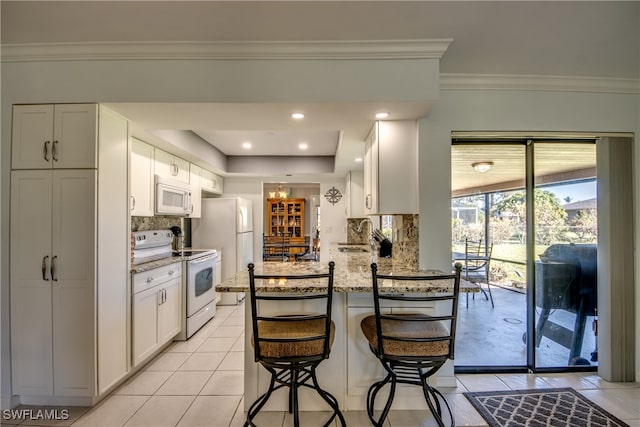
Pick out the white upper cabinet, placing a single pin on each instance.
(196, 193)
(354, 194)
(211, 183)
(54, 136)
(142, 170)
(171, 166)
(371, 172)
(391, 168)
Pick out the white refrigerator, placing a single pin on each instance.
(226, 225)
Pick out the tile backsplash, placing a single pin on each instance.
(143, 223)
(405, 237)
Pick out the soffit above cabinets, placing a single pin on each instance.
(335, 130)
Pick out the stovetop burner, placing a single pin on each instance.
(193, 253)
(188, 252)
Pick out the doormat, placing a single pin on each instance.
(550, 407)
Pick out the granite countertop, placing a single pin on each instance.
(146, 266)
(352, 274)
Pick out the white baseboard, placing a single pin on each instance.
(8, 402)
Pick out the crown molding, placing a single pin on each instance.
(249, 50)
(538, 83)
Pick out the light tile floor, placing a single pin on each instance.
(200, 383)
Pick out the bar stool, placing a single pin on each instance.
(411, 346)
(291, 346)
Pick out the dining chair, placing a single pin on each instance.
(274, 248)
(477, 263)
(291, 346)
(411, 346)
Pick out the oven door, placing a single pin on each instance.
(201, 283)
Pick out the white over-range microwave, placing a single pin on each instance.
(172, 197)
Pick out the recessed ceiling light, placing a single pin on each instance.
(303, 146)
(382, 115)
(358, 159)
(297, 116)
(246, 145)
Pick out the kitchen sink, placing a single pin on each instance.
(352, 249)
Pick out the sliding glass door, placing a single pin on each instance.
(565, 228)
(532, 205)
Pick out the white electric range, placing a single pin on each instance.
(199, 281)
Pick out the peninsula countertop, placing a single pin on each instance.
(352, 274)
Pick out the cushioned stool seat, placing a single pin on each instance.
(291, 332)
(409, 329)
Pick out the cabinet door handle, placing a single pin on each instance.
(149, 279)
(367, 201)
(44, 268)
(53, 268)
(45, 150)
(187, 203)
(133, 203)
(162, 294)
(54, 151)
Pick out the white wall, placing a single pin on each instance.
(334, 222)
(483, 110)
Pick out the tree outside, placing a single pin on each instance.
(507, 229)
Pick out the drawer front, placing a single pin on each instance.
(148, 279)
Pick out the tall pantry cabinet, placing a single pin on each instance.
(69, 253)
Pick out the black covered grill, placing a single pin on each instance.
(566, 278)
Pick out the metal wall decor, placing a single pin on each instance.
(333, 195)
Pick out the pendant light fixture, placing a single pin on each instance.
(482, 167)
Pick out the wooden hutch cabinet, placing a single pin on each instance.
(286, 216)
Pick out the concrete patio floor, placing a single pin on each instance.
(489, 336)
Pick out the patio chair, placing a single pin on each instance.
(477, 261)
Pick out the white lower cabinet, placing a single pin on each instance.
(363, 368)
(170, 311)
(52, 281)
(157, 309)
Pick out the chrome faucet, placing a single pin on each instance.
(362, 224)
(372, 241)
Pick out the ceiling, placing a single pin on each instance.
(554, 162)
(590, 39)
(329, 129)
